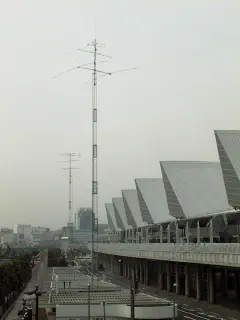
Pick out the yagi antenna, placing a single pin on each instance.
(95, 71)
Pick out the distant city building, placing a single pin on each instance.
(23, 234)
(6, 230)
(82, 231)
(81, 237)
(25, 229)
(7, 238)
(83, 219)
(41, 234)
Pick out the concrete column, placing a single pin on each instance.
(146, 280)
(160, 275)
(177, 233)
(147, 235)
(198, 294)
(211, 231)
(118, 268)
(136, 268)
(161, 234)
(198, 233)
(129, 270)
(224, 280)
(187, 232)
(141, 278)
(168, 277)
(168, 234)
(237, 277)
(124, 269)
(211, 293)
(142, 234)
(187, 286)
(177, 280)
(111, 264)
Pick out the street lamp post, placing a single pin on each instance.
(174, 305)
(89, 314)
(104, 310)
(174, 311)
(36, 293)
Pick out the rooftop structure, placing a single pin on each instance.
(132, 208)
(152, 200)
(112, 223)
(120, 213)
(118, 296)
(228, 144)
(71, 298)
(194, 188)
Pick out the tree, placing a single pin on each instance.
(62, 262)
(13, 276)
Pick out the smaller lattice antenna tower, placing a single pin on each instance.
(70, 168)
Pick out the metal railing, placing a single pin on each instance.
(225, 254)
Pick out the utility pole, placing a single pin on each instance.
(95, 71)
(70, 160)
(132, 293)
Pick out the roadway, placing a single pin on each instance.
(188, 308)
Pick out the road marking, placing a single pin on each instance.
(214, 313)
(197, 315)
(189, 318)
(188, 309)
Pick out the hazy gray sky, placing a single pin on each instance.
(186, 86)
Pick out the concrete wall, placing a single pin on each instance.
(114, 311)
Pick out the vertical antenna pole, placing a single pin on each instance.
(94, 157)
(70, 190)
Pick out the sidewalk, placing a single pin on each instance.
(182, 301)
(12, 315)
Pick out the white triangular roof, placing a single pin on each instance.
(132, 208)
(152, 200)
(120, 214)
(194, 188)
(228, 143)
(112, 224)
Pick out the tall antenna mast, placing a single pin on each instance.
(70, 156)
(94, 160)
(70, 190)
(95, 71)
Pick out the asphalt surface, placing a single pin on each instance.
(18, 303)
(188, 308)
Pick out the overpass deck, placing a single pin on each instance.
(222, 254)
